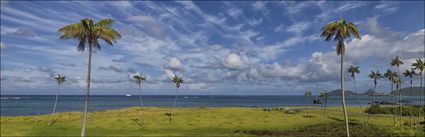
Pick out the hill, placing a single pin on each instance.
(406, 91)
(337, 92)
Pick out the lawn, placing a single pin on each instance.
(203, 122)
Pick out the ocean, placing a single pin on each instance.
(21, 105)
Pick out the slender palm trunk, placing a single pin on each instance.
(394, 108)
(410, 100)
(324, 111)
(38, 116)
(420, 102)
(343, 96)
(371, 105)
(86, 100)
(358, 98)
(174, 104)
(401, 98)
(54, 106)
(141, 106)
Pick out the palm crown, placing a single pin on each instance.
(60, 79)
(410, 73)
(339, 30)
(353, 70)
(419, 65)
(325, 95)
(177, 80)
(375, 76)
(139, 79)
(391, 75)
(307, 93)
(396, 62)
(86, 31)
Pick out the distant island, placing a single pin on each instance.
(370, 92)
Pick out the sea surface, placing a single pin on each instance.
(20, 105)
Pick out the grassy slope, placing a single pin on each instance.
(187, 121)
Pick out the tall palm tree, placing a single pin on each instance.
(398, 83)
(60, 79)
(391, 75)
(177, 80)
(419, 65)
(353, 70)
(410, 74)
(340, 31)
(375, 76)
(325, 96)
(397, 62)
(88, 32)
(308, 95)
(139, 79)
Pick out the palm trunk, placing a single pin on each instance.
(38, 117)
(420, 103)
(358, 98)
(54, 107)
(343, 96)
(394, 108)
(371, 105)
(141, 107)
(401, 98)
(86, 100)
(174, 104)
(411, 105)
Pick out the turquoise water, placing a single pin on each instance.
(31, 105)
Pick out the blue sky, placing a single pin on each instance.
(241, 48)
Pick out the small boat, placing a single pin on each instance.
(128, 95)
(185, 97)
(16, 98)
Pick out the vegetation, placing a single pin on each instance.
(340, 31)
(397, 62)
(139, 79)
(177, 80)
(203, 122)
(353, 70)
(325, 96)
(88, 32)
(419, 65)
(410, 74)
(60, 79)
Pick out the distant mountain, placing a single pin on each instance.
(406, 91)
(337, 92)
(370, 92)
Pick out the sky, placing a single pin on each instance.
(218, 47)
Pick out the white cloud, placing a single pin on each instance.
(234, 12)
(299, 27)
(175, 65)
(233, 61)
(255, 22)
(2, 46)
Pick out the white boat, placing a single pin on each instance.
(185, 97)
(128, 95)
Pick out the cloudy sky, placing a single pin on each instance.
(241, 48)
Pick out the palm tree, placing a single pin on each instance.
(88, 32)
(60, 79)
(325, 95)
(410, 74)
(308, 94)
(375, 76)
(353, 70)
(397, 62)
(391, 75)
(340, 31)
(419, 65)
(139, 79)
(177, 80)
(398, 83)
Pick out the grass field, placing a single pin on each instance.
(204, 122)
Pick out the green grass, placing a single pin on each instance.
(198, 122)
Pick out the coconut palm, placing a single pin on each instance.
(410, 74)
(60, 79)
(375, 76)
(340, 31)
(177, 80)
(353, 70)
(308, 95)
(325, 96)
(88, 32)
(397, 62)
(139, 79)
(419, 65)
(391, 75)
